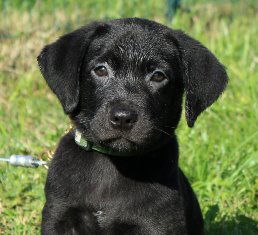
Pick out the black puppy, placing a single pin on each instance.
(121, 83)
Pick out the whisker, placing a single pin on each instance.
(155, 128)
(173, 127)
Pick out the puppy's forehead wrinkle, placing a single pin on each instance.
(134, 45)
(120, 48)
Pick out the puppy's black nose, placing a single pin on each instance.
(123, 118)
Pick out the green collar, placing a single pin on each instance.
(89, 146)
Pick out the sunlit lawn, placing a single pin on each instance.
(219, 155)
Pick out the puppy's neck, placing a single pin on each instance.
(155, 166)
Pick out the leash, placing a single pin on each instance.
(24, 161)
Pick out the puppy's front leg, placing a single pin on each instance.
(63, 219)
(53, 220)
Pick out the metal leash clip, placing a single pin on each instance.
(24, 161)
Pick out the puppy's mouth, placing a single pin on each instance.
(121, 144)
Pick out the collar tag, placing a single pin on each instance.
(81, 141)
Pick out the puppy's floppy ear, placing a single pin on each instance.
(204, 79)
(61, 61)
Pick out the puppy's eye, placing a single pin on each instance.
(101, 71)
(158, 76)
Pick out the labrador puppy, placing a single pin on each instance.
(121, 82)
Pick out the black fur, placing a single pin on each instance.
(135, 107)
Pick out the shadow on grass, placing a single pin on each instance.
(237, 225)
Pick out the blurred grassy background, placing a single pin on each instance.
(219, 155)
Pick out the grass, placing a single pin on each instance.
(219, 155)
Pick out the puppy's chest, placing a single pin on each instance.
(128, 215)
(128, 208)
(106, 202)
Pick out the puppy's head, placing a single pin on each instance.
(122, 82)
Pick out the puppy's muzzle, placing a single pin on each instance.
(122, 117)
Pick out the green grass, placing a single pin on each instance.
(219, 155)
